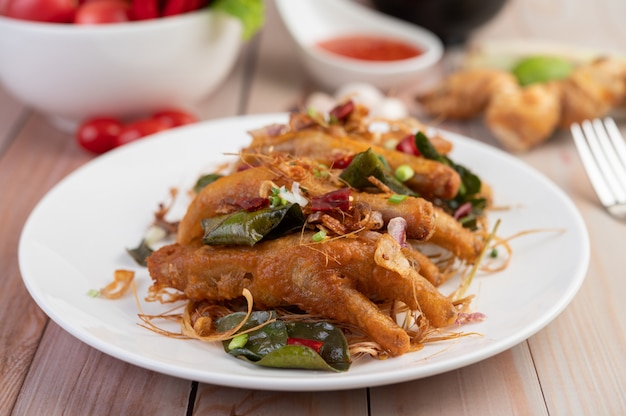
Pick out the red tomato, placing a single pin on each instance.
(174, 7)
(138, 129)
(144, 9)
(53, 11)
(174, 118)
(99, 135)
(96, 12)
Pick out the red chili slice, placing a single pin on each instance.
(407, 145)
(315, 345)
(343, 162)
(253, 204)
(342, 111)
(339, 199)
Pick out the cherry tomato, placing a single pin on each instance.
(53, 11)
(99, 135)
(138, 129)
(96, 12)
(174, 118)
(144, 9)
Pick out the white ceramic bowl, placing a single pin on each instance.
(72, 72)
(311, 21)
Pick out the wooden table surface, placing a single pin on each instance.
(576, 365)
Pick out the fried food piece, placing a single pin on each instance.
(220, 197)
(431, 179)
(521, 118)
(335, 279)
(418, 213)
(592, 90)
(452, 236)
(465, 94)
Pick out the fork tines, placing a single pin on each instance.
(603, 154)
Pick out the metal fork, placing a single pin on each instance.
(603, 153)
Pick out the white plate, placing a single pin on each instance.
(76, 237)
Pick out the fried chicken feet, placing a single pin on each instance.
(287, 271)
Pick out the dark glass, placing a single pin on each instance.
(451, 20)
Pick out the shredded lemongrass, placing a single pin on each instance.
(467, 279)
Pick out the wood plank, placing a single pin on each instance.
(217, 401)
(11, 111)
(126, 389)
(30, 166)
(504, 384)
(582, 352)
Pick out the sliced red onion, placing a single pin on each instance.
(463, 210)
(468, 318)
(397, 229)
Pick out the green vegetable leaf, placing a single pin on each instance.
(334, 349)
(295, 356)
(204, 180)
(248, 228)
(470, 183)
(140, 253)
(250, 12)
(267, 346)
(366, 164)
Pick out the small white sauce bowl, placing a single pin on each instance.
(311, 21)
(73, 72)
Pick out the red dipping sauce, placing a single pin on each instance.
(370, 48)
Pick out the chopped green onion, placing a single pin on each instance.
(396, 198)
(94, 293)
(404, 173)
(319, 236)
(494, 253)
(390, 144)
(238, 341)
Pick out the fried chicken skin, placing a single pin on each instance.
(221, 197)
(337, 279)
(431, 178)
